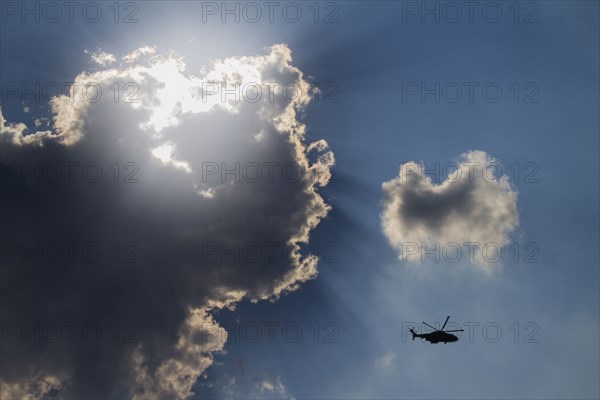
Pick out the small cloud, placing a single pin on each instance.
(267, 385)
(471, 205)
(101, 57)
(386, 360)
(137, 54)
(41, 121)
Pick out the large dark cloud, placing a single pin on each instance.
(173, 225)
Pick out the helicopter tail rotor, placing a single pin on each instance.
(414, 334)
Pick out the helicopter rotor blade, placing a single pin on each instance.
(443, 326)
(456, 330)
(430, 326)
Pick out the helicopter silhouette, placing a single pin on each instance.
(437, 335)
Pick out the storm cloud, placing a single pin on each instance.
(145, 209)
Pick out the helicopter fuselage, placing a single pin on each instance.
(437, 337)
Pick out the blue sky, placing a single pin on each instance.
(365, 292)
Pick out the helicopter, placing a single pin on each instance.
(437, 335)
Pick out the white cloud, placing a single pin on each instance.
(386, 361)
(275, 386)
(101, 57)
(272, 386)
(139, 53)
(19, 133)
(470, 205)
